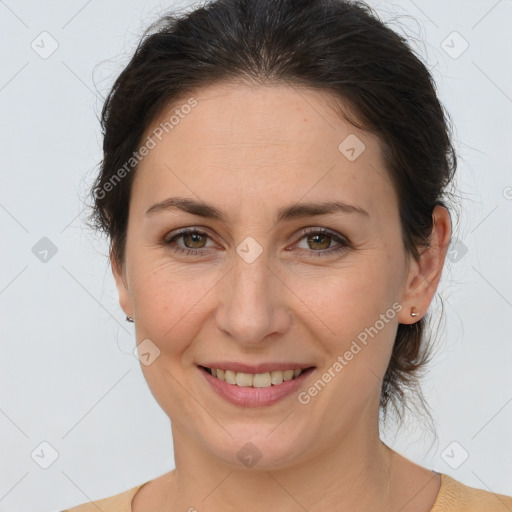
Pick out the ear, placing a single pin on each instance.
(423, 276)
(118, 272)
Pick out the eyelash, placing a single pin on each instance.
(344, 244)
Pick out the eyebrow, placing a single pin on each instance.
(293, 211)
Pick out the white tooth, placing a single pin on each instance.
(288, 375)
(244, 379)
(230, 376)
(259, 380)
(262, 380)
(276, 377)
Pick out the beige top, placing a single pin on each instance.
(453, 496)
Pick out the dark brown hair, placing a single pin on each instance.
(332, 45)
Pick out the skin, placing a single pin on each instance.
(250, 150)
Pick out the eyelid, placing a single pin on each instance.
(204, 231)
(343, 242)
(319, 229)
(184, 231)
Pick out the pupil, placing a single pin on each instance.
(320, 236)
(195, 237)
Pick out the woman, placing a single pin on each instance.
(273, 189)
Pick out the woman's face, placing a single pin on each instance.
(258, 287)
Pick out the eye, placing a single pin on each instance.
(193, 239)
(322, 238)
(195, 242)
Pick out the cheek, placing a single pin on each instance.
(353, 312)
(345, 297)
(167, 302)
(167, 307)
(358, 326)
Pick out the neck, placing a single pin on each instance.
(351, 475)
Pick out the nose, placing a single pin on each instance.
(254, 303)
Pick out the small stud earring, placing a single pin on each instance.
(129, 319)
(413, 313)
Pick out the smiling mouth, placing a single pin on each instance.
(256, 380)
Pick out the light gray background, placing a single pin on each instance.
(68, 375)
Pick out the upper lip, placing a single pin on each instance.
(255, 368)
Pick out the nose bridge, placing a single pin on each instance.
(251, 307)
(250, 275)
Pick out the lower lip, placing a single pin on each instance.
(248, 396)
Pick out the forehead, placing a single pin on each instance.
(279, 140)
(229, 116)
